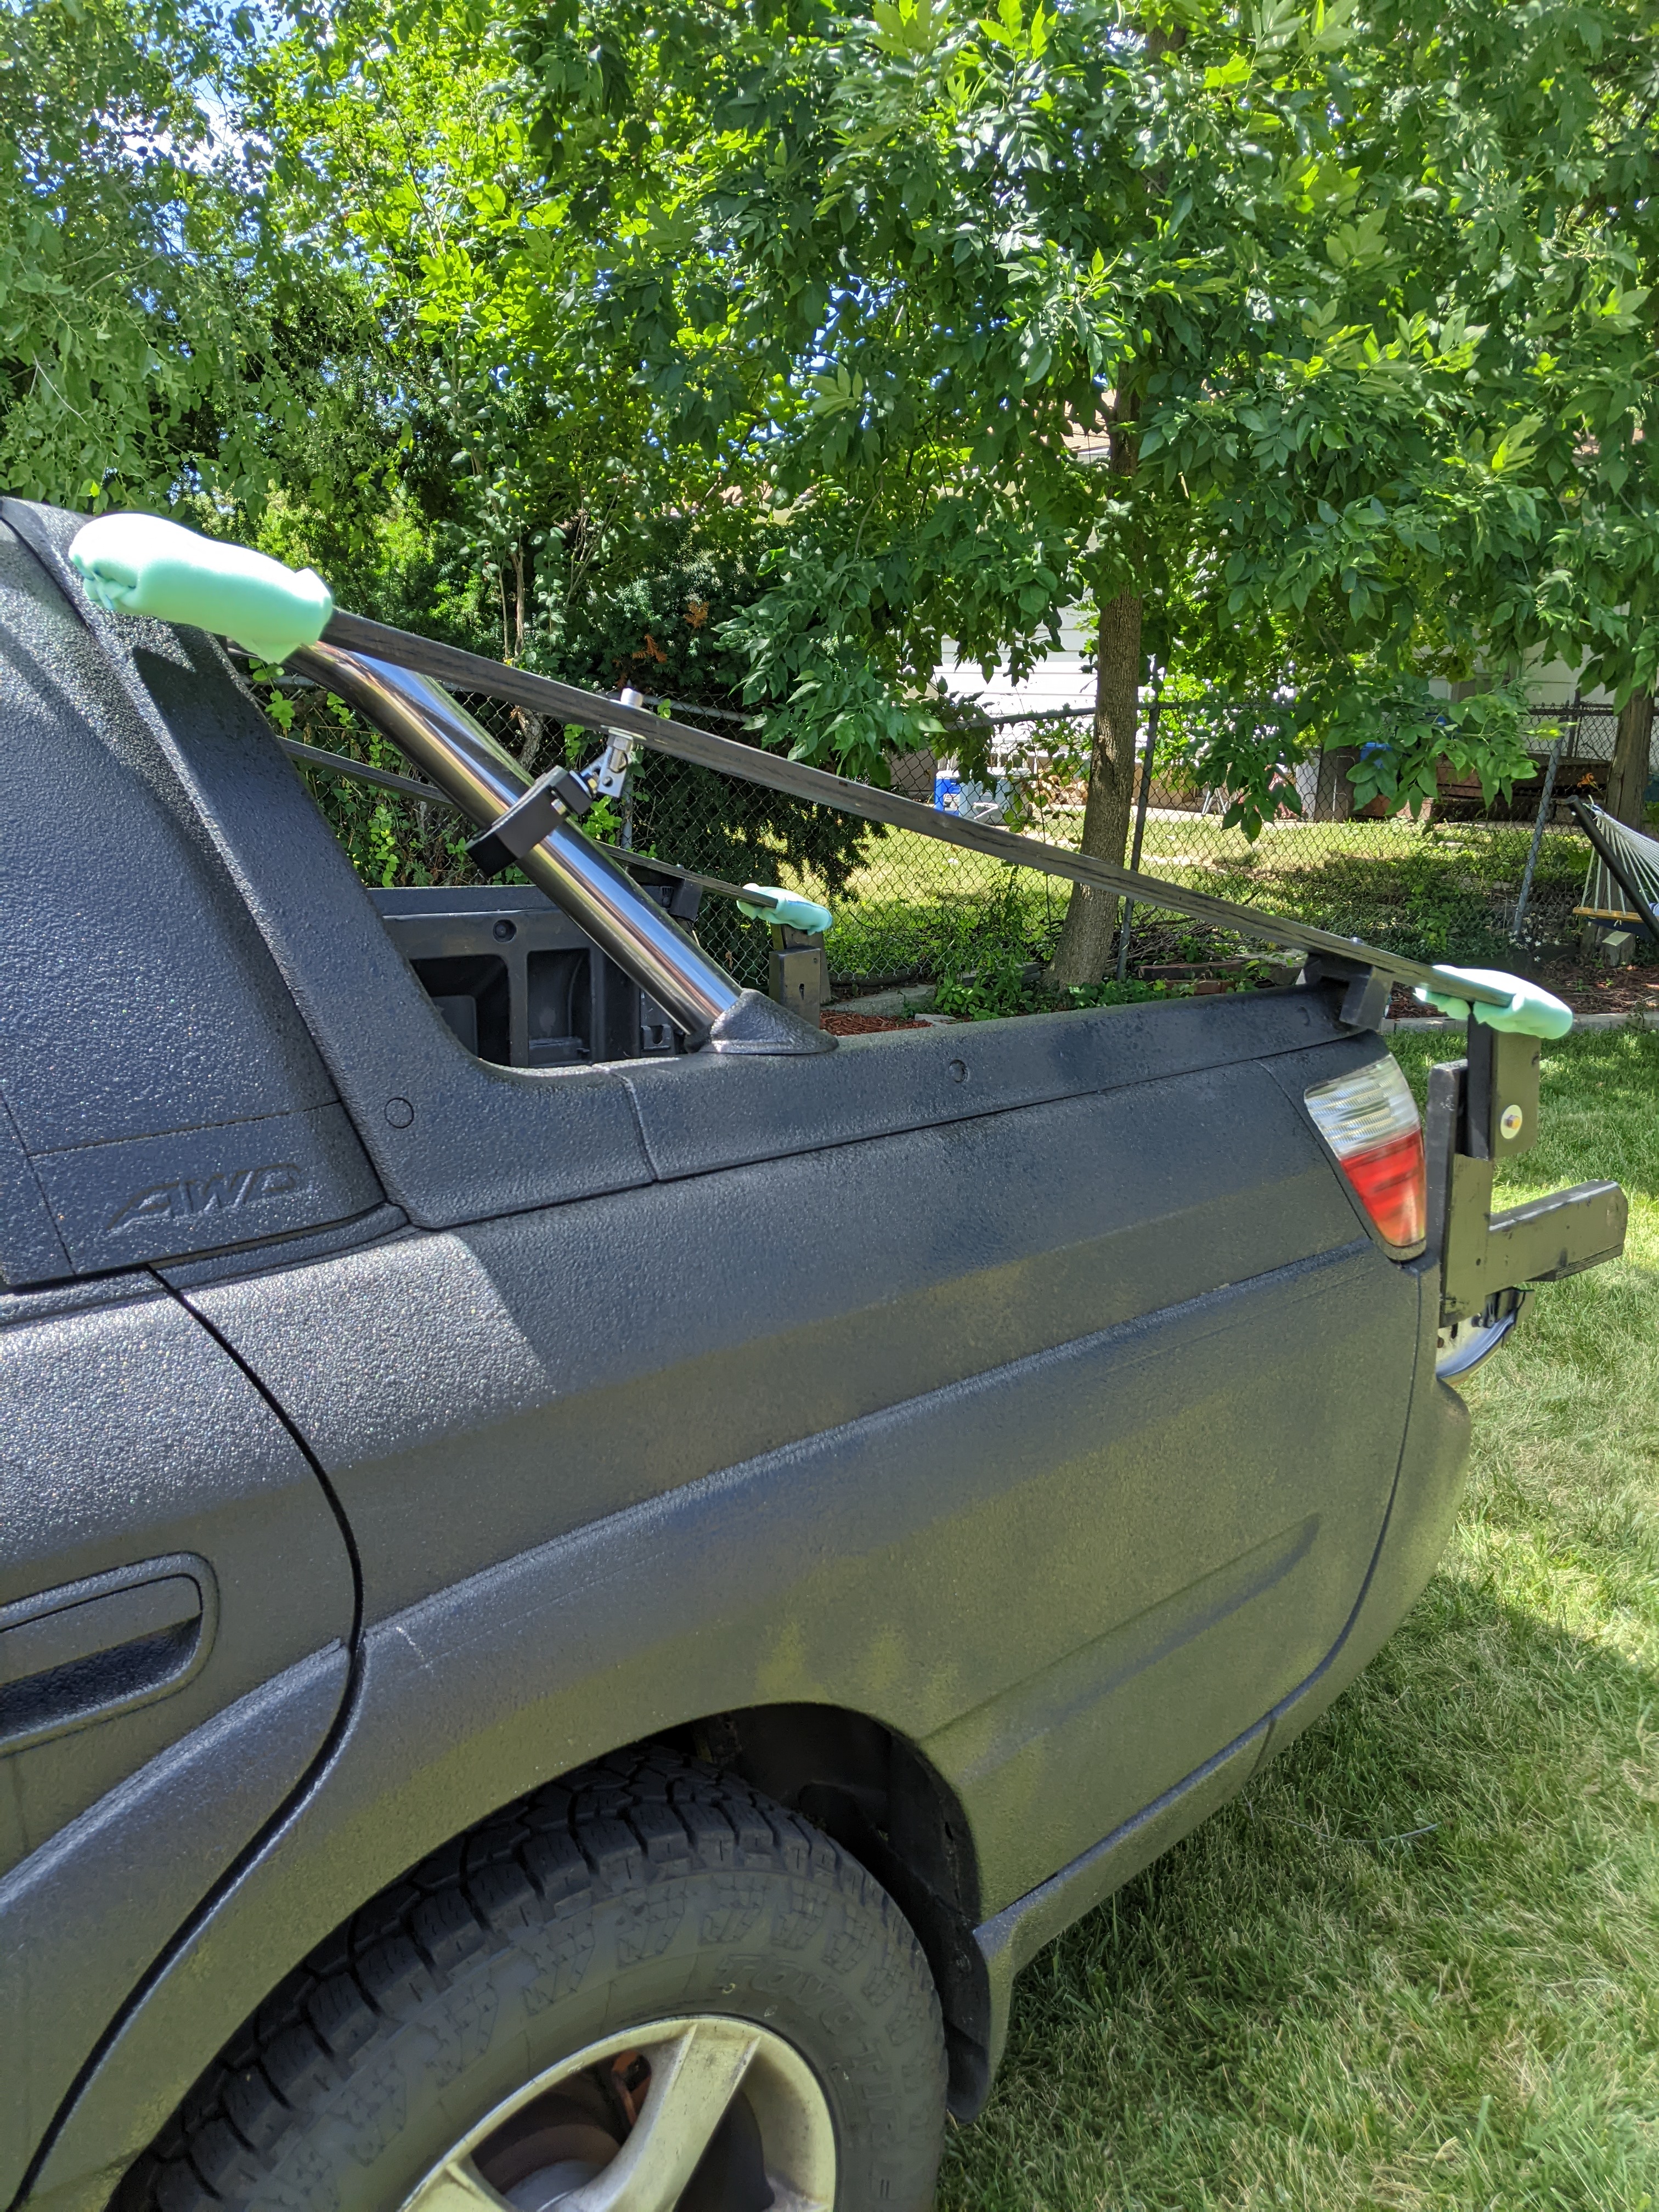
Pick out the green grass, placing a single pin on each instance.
(919, 908)
(1434, 891)
(1293, 2008)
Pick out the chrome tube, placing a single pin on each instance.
(440, 738)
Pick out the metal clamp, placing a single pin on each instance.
(798, 972)
(443, 740)
(1366, 990)
(558, 796)
(607, 777)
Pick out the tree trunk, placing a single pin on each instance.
(516, 607)
(1627, 779)
(1085, 938)
(521, 572)
(532, 727)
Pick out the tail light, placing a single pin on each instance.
(1370, 1120)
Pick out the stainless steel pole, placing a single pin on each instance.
(443, 740)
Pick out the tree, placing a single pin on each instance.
(1628, 776)
(517, 473)
(399, 164)
(1319, 338)
(517, 499)
(152, 351)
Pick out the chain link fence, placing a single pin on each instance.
(910, 908)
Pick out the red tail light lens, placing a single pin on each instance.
(1370, 1120)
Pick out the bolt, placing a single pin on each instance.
(399, 1113)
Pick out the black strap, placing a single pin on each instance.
(471, 672)
(354, 771)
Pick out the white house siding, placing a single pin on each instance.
(1060, 680)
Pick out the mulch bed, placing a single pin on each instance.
(1590, 990)
(866, 1024)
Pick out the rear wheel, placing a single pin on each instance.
(643, 1988)
(712, 2112)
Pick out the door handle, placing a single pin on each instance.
(89, 1650)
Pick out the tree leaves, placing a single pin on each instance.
(150, 351)
(1317, 308)
(908, 29)
(1327, 330)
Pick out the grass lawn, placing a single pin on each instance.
(1435, 891)
(1296, 2006)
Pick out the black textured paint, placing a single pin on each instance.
(131, 1436)
(478, 1392)
(88, 1913)
(156, 1070)
(800, 1569)
(1034, 1392)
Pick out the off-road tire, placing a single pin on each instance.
(643, 1887)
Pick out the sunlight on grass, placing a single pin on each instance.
(1433, 891)
(1290, 2008)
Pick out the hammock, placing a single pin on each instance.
(1622, 884)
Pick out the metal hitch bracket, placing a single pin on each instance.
(1483, 1109)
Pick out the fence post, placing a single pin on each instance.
(1538, 831)
(1141, 799)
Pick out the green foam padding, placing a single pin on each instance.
(1531, 1012)
(140, 564)
(788, 910)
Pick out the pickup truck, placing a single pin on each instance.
(574, 1608)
